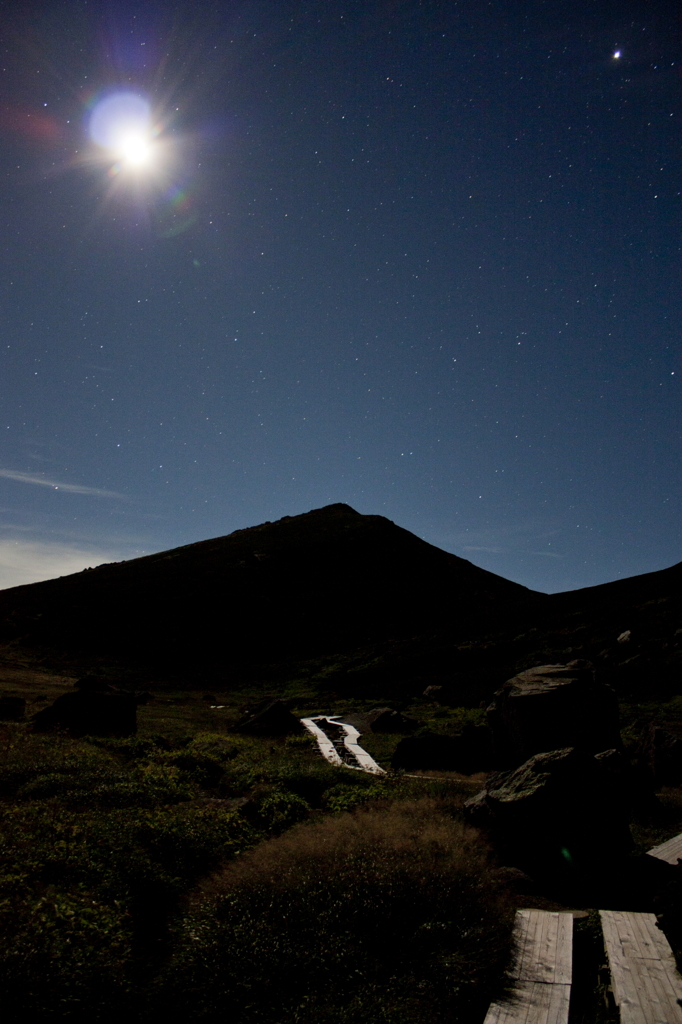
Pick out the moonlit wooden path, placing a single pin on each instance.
(542, 970)
(646, 985)
(670, 852)
(356, 757)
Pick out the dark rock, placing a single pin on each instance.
(468, 752)
(12, 709)
(88, 713)
(514, 879)
(550, 707)
(379, 720)
(464, 690)
(563, 808)
(434, 693)
(478, 810)
(356, 719)
(388, 720)
(94, 684)
(269, 718)
(660, 753)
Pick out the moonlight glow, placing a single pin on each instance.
(121, 124)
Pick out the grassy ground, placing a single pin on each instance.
(117, 893)
(103, 842)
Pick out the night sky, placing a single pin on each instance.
(419, 257)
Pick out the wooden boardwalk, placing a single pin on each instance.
(671, 852)
(354, 756)
(542, 970)
(646, 985)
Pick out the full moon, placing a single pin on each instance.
(121, 124)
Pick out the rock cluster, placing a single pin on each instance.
(660, 753)
(562, 808)
(467, 752)
(561, 797)
(269, 718)
(551, 707)
(381, 720)
(90, 712)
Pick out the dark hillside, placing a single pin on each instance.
(630, 629)
(619, 594)
(331, 579)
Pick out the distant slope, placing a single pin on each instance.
(330, 579)
(630, 629)
(608, 597)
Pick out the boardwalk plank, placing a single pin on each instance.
(670, 851)
(542, 970)
(635, 935)
(324, 743)
(533, 1002)
(646, 984)
(544, 946)
(645, 993)
(364, 760)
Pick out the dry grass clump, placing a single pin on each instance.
(386, 914)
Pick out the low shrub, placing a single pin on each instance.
(344, 797)
(149, 786)
(60, 953)
(387, 915)
(278, 810)
(26, 757)
(85, 898)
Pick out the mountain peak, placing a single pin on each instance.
(323, 581)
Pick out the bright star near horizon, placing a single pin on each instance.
(617, 54)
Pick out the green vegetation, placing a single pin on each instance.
(194, 870)
(103, 841)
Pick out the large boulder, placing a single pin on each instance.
(560, 808)
(379, 720)
(660, 753)
(550, 707)
(88, 713)
(467, 752)
(388, 720)
(269, 718)
(12, 709)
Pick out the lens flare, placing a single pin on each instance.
(121, 124)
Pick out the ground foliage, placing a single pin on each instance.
(349, 895)
(102, 841)
(387, 913)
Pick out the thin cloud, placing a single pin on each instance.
(492, 551)
(55, 485)
(32, 561)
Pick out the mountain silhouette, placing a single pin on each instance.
(352, 601)
(331, 579)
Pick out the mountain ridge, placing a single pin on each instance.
(330, 578)
(350, 599)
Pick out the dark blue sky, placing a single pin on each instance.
(423, 258)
